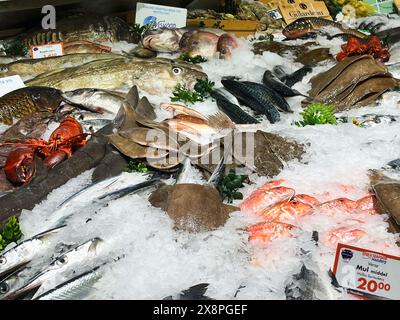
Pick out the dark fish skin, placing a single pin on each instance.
(291, 79)
(254, 98)
(28, 100)
(272, 96)
(271, 81)
(234, 112)
(193, 293)
(303, 26)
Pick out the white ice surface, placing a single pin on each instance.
(159, 261)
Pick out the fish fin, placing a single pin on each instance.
(47, 233)
(132, 97)
(145, 108)
(217, 174)
(220, 121)
(95, 243)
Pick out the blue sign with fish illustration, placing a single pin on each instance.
(150, 20)
(161, 17)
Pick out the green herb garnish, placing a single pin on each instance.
(318, 113)
(11, 232)
(204, 87)
(197, 59)
(137, 167)
(181, 93)
(229, 186)
(15, 49)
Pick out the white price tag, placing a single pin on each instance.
(367, 272)
(47, 50)
(275, 14)
(160, 16)
(8, 84)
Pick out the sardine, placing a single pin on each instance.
(25, 101)
(253, 98)
(155, 76)
(234, 112)
(25, 251)
(271, 81)
(60, 269)
(303, 26)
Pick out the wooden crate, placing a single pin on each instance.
(240, 28)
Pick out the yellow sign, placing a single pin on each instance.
(292, 10)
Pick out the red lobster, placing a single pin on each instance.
(67, 138)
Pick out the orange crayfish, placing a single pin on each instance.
(67, 138)
(373, 47)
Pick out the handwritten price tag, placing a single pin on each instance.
(9, 84)
(47, 50)
(367, 272)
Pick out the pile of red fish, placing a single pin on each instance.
(372, 46)
(280, 210)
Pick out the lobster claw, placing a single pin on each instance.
(20, 166)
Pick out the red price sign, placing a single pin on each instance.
(47, 50)
(367, 272)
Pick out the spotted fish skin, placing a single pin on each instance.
(82, 27)
(25, 101)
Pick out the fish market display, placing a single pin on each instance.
(25, 101)
(153, 76)
(234, 165)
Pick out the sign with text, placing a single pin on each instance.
(160, 16)
(8, 84)
(292, 10)
(367, 272)
(47, 50)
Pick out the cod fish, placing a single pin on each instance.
(25, 251)
(303, 26)
(155, 76)
(61, 269)
(84, 47)
(232, 109)
(25, 101)
(28, 69)
(255, 96)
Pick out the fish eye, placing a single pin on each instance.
(62, 260)
(3, 68)
(3, 260)
(176, 70)
(4, 288)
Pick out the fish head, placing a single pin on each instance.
(46, 98)
(307, 199)
(12, 260)
(203, 44)
(297, 28)
(166, 40)
(169, 75)
(225, 43)
(3, 68)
